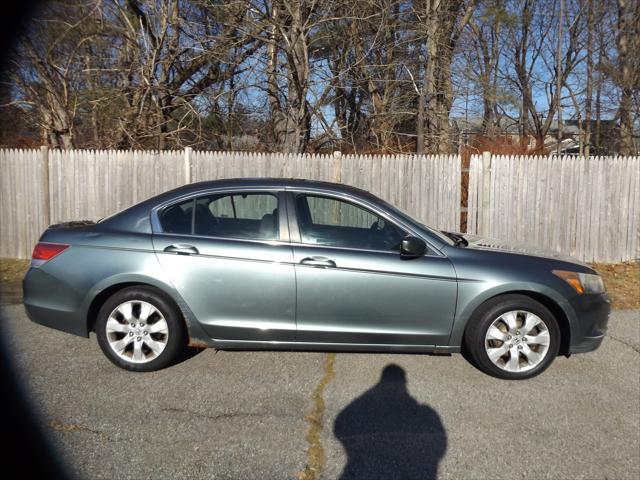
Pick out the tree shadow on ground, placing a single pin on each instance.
(388, 434)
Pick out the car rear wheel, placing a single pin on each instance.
(139, 330)
(513, 337)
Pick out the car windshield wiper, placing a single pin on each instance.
(458, 240)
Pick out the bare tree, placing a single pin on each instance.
(589, 79)
(533, 51)
(288, 70)
(441, 22)
(48, 72)
(306, 75)
(174, 53)
(627, 75)
(486, 31)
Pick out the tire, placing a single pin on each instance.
(512, 337)
(139, 330)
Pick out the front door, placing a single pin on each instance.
(225, 255)
(354, 288)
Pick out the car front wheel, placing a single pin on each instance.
(513, 337)
(139, 330)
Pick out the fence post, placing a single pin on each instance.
(337, 166)
(46, 166)
(187, 165)
(485, 207)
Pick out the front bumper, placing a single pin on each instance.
(592, 316)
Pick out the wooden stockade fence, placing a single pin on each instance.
(41, 187)
(585, 207)
(588, 208)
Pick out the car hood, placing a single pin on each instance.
(482, 243)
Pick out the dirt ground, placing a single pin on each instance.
(622, 281)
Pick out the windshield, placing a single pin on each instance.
(408, 218)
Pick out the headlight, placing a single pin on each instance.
(581, 282)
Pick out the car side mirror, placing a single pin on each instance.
(412, 247)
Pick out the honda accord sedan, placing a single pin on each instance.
(306, 265)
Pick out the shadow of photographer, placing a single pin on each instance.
(388, 434)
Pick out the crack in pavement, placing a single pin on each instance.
(315, 451)
(633, 347)
(75, 427)
(191, 413)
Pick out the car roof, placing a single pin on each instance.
(135, 218)
(267, 182)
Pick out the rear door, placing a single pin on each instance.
(352, 285)
(227, 254)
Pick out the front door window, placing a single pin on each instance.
(337, 223)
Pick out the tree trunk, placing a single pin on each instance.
(291, 117)
(589, 87)
(273, 89)
(444, 100)
(625, 32)
(298, 115)
(430, 89)
(559, 75)
(420, 124)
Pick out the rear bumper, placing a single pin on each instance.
(592, 315)
(53, 303)
(57, 319)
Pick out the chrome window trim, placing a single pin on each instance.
(283, 243)
(350, 249)
(274, 243)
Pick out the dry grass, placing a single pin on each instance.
(11, 273)
(315, 451)
(622, 281)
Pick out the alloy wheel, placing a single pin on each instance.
(517, 341)
(137, 331)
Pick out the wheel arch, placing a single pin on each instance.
(102, 293)
(561, 313)
(102, 296)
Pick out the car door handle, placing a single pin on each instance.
(322, 262)
(182, 249)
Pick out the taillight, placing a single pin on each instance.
(44, 251)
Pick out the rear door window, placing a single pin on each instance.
(251, 216)
(177, 218)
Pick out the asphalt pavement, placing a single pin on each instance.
(288, 415)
